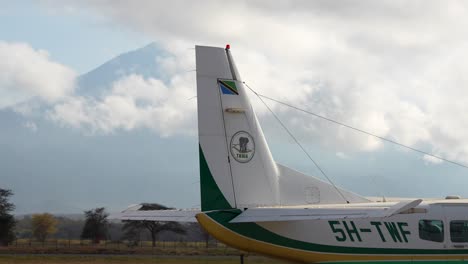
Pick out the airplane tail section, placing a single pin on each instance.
(237, 169)
(236, 166)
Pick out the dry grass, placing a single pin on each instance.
(63, 259)
(84, 252)
(114, 248)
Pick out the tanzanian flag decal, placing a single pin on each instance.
(228, 87)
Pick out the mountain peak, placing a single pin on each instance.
(141, 61)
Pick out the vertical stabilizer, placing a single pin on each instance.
(236, 166)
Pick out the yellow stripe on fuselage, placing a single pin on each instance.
(249, 244)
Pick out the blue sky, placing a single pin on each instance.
(78, 39)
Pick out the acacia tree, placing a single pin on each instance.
(205, 235)
(7, 221)
(132, 232)
(43, 225)
(153, 227)
(96, 225)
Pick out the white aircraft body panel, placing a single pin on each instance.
(297, 188)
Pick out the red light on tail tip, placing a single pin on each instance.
(228, 46)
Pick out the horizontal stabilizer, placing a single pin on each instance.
(134, 214)
(401, 207)
(324, 213)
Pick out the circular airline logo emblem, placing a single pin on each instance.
(242, 147)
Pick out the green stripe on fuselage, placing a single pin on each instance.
(401, 262)
(255, 231)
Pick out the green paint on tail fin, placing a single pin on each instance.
(211, 196)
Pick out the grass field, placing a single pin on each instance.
(64, 259)
(108, 252)
(76, 247)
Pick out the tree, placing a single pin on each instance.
(7, 221)
(153, 227)
(132, 232)
(96, 225)
(69, 228)
(43, 225)
(205, 235)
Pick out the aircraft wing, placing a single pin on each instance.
(176, 215)
(314, 213)
(275, 214)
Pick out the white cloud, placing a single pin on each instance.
(30, 125)
(431, 160)
(394, 68)
(134, 102)
(27, 73)
(342, 155)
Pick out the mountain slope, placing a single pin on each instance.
(141, 61)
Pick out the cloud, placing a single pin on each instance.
(30, 125)
(32, 84)
(342, 155)
(27, 73)
(134, 102)
(431, 160)
(393, 68)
